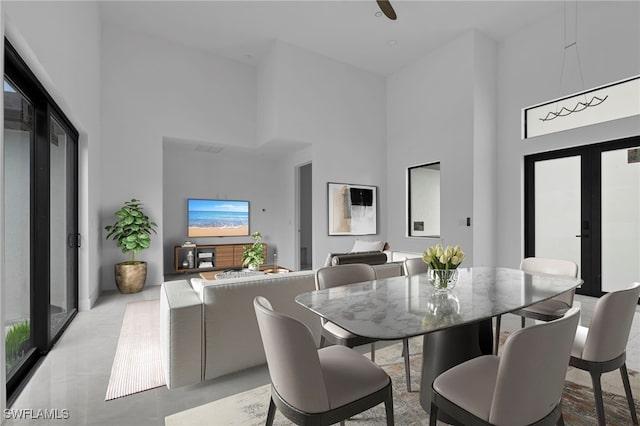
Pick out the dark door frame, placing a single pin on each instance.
(44, 107)
(591, 199)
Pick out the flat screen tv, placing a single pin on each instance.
(217, 218)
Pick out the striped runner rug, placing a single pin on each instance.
(137, 364)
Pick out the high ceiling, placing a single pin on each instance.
(348, 31)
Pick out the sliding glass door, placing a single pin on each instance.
(583, 204)
(63, 238)
(41, 221)
(18, 136)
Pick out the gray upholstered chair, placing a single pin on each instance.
(411, 267)
(509, 390)
(414, 266)
(546, 310)
(334, 276)
(601, 347)
(316, 386)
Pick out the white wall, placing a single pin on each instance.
(442, 109)
(485, 85)
(231, 176)
(529, 64)
(154, 89)
(430, 119)
(66, 60)
(338, 109)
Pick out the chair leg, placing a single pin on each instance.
(627, 391)
(433, 414)
(496, 338)
(373, 352)
(597, 392)
(560, 421)
(388, 406)
(407, 365)
(271, 413)
(522, 322)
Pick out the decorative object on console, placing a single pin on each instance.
(132, 233)
(352, 209)
(443, 265)
(217, 218)
(253, 255)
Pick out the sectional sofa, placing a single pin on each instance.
(208, 328)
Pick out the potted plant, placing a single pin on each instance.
(132, 233)
(253, 255)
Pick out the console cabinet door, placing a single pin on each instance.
(237, 254)
(225, 257)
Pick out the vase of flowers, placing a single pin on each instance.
(443, 266)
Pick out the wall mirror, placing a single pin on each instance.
(423, 190)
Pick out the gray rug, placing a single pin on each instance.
(137, 364)
(250, 407)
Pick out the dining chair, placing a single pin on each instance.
(522, 386)
(549, 309)
(313, 386)
(601, 347)
(411, 266)
(415, 265)
(334, 276)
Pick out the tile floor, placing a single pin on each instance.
(74, 375)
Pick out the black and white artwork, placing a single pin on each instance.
(352, 209)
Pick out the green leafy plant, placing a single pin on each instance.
(132, 231)
(253, 255)
(16, 336)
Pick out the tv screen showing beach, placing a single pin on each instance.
(217, 218)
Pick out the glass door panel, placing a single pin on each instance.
(620, 218)
(18, 135)
(40, 221)
(558, 209)
(62, 234)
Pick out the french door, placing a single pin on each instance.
(583, 204)
(40, 221)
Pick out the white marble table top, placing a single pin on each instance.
(399, 307)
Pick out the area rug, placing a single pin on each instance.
(137, 365)
(250, 407)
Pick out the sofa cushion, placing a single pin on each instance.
(180, 334)
(232, 341)
(365, 246)
(370, 258)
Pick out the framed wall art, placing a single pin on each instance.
(352, 209)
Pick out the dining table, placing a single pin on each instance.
(456, 324)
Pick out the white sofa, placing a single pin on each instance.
(209, 329)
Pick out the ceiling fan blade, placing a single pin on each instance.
(387, 9)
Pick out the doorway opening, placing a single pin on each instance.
(305, 217)
(41, 240)
(583, 204)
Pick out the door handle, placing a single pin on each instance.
(73, 240)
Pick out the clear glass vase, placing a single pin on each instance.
(443, 279)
